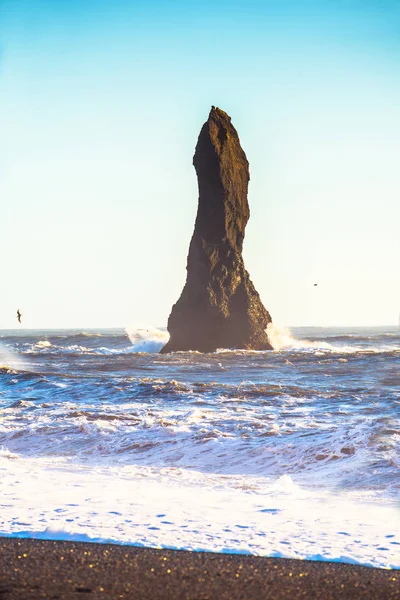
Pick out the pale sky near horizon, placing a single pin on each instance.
(101, 104)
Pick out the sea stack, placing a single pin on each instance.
(219, 306)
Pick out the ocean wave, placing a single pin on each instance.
(282, 339)
(76, 336)
(364, 339)
(43, 344)
(151, 340)
(310, 411)
(244, 429)
(74, 350)
(142, 341)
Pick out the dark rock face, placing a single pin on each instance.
(219, 306)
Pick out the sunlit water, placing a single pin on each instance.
(294, 452)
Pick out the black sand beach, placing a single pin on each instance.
(33, 569)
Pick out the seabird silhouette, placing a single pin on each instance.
(19, 316)
(315, 284)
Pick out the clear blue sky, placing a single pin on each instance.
(101, 104)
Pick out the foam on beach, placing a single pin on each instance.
(184, 510)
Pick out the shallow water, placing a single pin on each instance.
(294, 452)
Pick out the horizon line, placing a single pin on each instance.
(125, 327)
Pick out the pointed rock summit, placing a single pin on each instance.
(219, 306)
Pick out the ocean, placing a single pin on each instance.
(289, 453)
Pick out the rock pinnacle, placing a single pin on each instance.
(219, 306)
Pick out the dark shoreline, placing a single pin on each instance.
(54, 570)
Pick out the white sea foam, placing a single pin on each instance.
(5, 453)
(147, 339)
(281, 338)
(43, 344)
(282, 436)
(189, 510)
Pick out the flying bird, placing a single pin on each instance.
(315, 284)
(19, 316)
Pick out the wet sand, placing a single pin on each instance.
(33, 569)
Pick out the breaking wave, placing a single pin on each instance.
(147, 339)
(281, 338)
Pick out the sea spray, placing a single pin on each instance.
(281, 338)
(147, 339)
(10, 359)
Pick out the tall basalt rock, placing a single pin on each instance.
(219, 306)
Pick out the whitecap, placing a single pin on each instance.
(43, 344)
